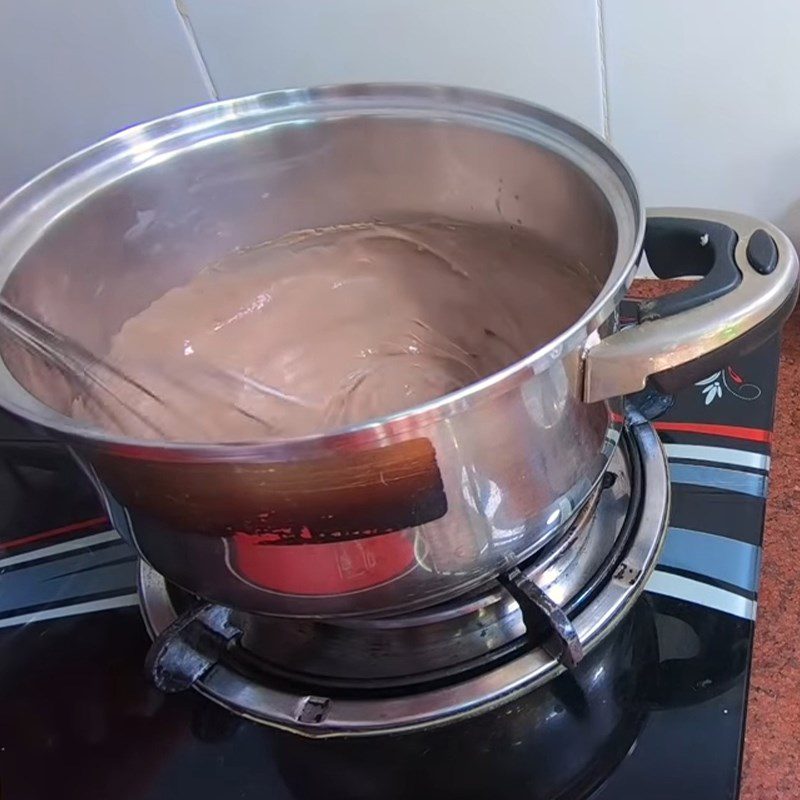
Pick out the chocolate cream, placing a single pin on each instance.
(329, 327)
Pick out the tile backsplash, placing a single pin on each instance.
(539, 50)
(695, 96)
(704, 102)
(73, 72)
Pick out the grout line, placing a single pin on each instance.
(601, 42)
(194, 45)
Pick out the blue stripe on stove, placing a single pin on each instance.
(729, 480)
(718, 557)
(68, 578)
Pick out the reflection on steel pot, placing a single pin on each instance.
(409, 509)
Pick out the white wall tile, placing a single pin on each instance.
(541, 50)
(704, 102)
(74, 71)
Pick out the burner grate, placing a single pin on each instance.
(371, 675)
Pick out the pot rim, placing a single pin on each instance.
(28, 211)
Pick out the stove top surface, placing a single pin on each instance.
(78, 718)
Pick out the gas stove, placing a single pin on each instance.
(632, 684)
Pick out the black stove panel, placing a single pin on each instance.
(79, 720)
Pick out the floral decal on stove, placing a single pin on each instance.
(727, 381)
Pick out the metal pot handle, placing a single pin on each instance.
(749, 288)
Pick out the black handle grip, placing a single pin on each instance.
(681, 248)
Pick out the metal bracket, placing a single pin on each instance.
(564, 644)
(185, 651)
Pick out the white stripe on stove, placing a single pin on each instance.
(719, 455)
(701, 593)
(121, 601)
(64, 547)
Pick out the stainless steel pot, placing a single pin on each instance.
(412, 508)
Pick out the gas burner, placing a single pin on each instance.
(346, 677)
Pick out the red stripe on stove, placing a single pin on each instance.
(731, 431)
(53, 532)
